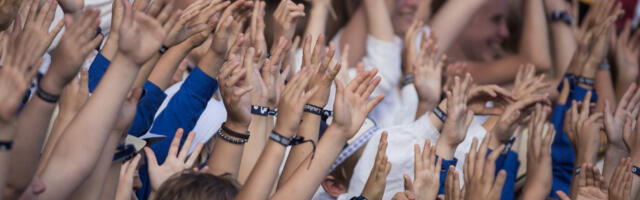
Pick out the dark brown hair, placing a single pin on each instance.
(194, 185)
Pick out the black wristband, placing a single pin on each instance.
(440, 114)
(6, 145)
(259, 110)
(408, 79)
(163, 49)
(233, 133)
(635, 170)
(45, 96)
(230, 139)
(577, 170)
(313, 109)
(279, 138)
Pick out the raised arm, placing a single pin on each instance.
(70, 166)
(323, 76)
(563, 43)
(66, 60)
(351, 107)
(379, 20)
(540, 176)
(614, 121)
(451, 19)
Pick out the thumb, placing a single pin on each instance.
(408, 184)
(562, 195)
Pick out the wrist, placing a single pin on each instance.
(52, 84)
(237, 126)
(445, 148)
(283, 130)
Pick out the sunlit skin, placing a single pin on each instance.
(482, 37)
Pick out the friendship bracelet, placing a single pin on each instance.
(230, 139)
(259, 110)
(233, 133)
(440, 114)
(635, 170)
(163, 49)
(295, 140)
(313, 109)
(45, 96)
(6, 145)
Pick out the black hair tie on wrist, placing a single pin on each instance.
(233, 133)
(295, 140)
(45, 96)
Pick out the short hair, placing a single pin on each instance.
(343, 172)
(194, 185)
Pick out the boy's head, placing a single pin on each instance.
(486, 31)
(193, 185)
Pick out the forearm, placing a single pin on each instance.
(226, 156)
(258, 185)
(451, 20)
(378, 20)
(70, 166)
(27, 144)
(612, 157)
(110, 187)
(534, 43)
(93, 186)
(307, 178)
(110, 47)
(59, 125)
(563, 46)
(211, 63)
(167, 65)
(354, 34)
(309, 130)
(435, 121)
(255, 145)
(499, 72)
(604, 88)
(317, 20)
(146, 70)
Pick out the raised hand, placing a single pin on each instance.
(76, 43)
(284, 16)
(410, 51)
(458, 118)
(427, 73)
(324, 75)
(292, 101)
(274, 80)
(176, 161)
(352, 106)
(480, 95)
(620, 184)
(15, 75)
(583, 130)
(480, 173)
(514, 112)
(426, 172)
(256, 29)
(590, 185)
(539, 176)
(143, 36)
(374, 188)
(75, 94)
(527, 83)
(614, 121)
(127, 173)
(36, 26)
(185, 27)
(232, 88)
(260, 93)
(626, 50)
(208, 16)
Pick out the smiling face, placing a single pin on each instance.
(402, 15)
(482, 37)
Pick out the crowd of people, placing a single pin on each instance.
(320, 99)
